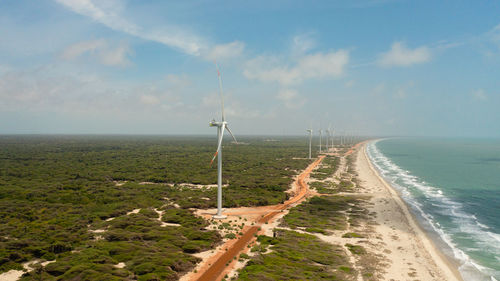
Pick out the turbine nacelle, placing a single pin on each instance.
(214, 123)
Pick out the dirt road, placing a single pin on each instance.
(215, 270)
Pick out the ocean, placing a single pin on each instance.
(452, 186)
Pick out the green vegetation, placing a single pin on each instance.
(329, 187)
(352, 235)
(320, 214)
(55, 189)
(296, 256)
(324, 187)
(356, 249)
(328, 167)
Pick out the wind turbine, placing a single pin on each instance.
(221, 126)
(328, 137)
(333, 138)
(327, 131)
(310, 140)
(320, 140)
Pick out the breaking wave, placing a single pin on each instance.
(461, 233)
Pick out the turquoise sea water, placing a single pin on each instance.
(453, 188)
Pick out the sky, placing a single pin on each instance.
(369, 67)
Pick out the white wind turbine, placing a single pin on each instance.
(333, 139)
(320, 131)
(328, 136)
(221, 126)
(310, 140)
(327, 132)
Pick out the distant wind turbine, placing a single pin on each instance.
(333, 138)
(320, 131)
(327, 131)
(328, 136)
(310, 140)
(221, 126)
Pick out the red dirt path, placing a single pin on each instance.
(217, 268)
(352, 149)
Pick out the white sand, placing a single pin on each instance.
(163, 224)
(134, 211)
(410, 254)
(13, 275)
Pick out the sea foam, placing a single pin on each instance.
(431, 204)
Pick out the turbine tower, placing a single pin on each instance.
(310, 140)
(333, 138)
(320, 140)
(328, 136)
(327, 131)
(221, 127)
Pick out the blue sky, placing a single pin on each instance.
(426, 68)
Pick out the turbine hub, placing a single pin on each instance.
(214, 123)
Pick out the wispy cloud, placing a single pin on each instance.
(149, 99)
(400, 55)
(226, 51)
(490, 42)
(479, 94)
(232, 107)
(349, 83)
(303, 43)
(313, 66)
(78, 49)
(52, 89)
(100, 49)
(291, 98)
(110, 17)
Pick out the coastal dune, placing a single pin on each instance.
(408, 253)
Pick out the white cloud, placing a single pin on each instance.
(178, 81)
(237, 110)
(313, 66)
(400, 93)
(291, 98)
(232, 107)
(400, 55)
(479, 95)
(116, 56)
(349, 83)
(495, 34)
(149, 100)
(101, 49)
(380, 88)
(4, 69)
(490, 42)
(226, 51)
(108, 15)
(303, 43)
(55, 89)
(42, 89)
(81, 48)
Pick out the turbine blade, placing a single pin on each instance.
(221, 136)
(231, 133)
(221, 92)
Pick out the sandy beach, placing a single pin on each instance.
(398, 248)
(409, 254)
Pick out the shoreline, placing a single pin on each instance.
(419, 249)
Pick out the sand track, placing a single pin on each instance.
(219, 266)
